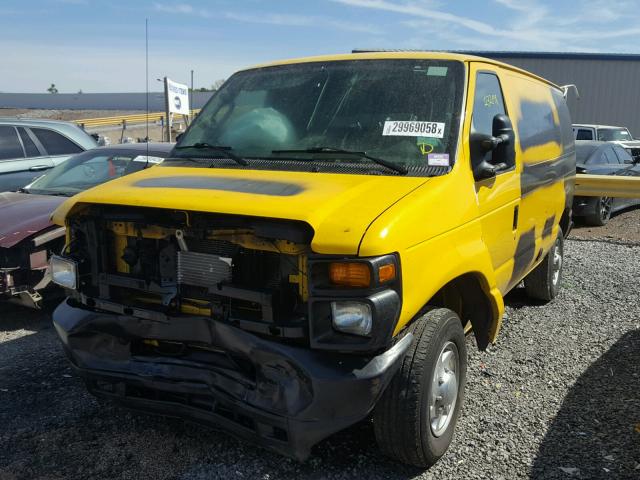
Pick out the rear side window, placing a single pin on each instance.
(610, 156)
(598, 158)
(623, 155)
(488, 102)
(584, 134)
(9, 143)
(29, 147)
(54, 143)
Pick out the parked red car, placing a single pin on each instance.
(27, 237)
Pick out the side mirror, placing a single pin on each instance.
(491, 154)
(179, 136)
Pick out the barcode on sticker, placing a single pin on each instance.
(413, 129)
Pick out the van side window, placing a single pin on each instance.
(584, 134)
(488, 102)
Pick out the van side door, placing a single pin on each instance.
(545, 150)
(498, 197)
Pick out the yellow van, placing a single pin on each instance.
(312, 254)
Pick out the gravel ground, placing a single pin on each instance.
(558, 397)
(623, 227)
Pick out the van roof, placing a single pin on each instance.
(593, 125)
(397, 54)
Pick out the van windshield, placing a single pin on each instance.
(613, 134)
(403, 111)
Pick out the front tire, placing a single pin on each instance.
(543, 283)
(416, 416)
(601, 213)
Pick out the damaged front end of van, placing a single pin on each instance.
(238, 321)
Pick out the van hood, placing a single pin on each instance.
(339, 207)
(628, 143)
(23, 215)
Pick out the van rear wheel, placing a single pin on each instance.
(416, 416)
(543, 283)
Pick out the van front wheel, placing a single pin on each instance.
(417, 414)
(543, 283)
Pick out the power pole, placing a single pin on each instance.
(191, 96)
(167, 135)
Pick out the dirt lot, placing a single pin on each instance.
(558, 397)
(623, 227)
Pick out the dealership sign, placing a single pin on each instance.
(178, 97)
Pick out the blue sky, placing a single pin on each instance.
(98, 46)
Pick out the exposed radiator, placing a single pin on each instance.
(203, 269)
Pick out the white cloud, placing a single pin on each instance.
(73, 2)
(532, 26)
(293, 20)
(282, 19)
(174, 8)
(418, 9)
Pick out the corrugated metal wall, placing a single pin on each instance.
(609, 87)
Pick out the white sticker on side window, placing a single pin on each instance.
(413, 129)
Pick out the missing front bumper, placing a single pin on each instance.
(283, 397)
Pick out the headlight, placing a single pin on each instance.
(64, 272)
(352, 317)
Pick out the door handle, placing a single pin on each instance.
(37, 168)
(515, 217)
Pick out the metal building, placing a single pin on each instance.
(609, 84)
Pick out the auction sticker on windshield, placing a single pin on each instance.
(413, 129)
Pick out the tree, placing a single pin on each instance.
(217, 84)
(52, 88)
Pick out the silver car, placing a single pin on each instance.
(30, 147)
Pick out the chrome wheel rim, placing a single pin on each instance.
(444, 389)
(605, 207)
(557, 263)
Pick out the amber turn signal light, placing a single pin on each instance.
(386, 273)
(350, 274)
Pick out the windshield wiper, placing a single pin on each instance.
(380, 161)
(216, 148)
(53, 193)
